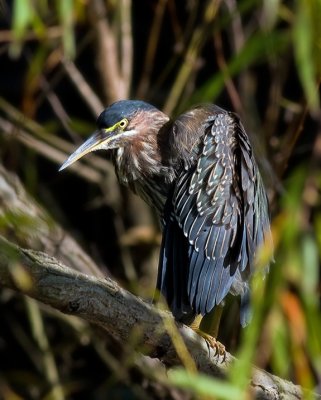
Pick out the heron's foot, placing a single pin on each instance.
(212, 342)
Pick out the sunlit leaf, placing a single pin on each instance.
(22, 17)
(280, 347)
(304, 47)
(256, 48)
(310, 265)
(25, 17)
(202, 385)
(65, 11)
(270, 9)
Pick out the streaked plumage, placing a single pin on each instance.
(200, 174)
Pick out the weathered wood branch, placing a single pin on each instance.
(105, 304)
(26, 223)
(97, 300)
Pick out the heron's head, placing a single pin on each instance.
(124, 122)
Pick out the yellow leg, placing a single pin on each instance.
(207, 328)
(211, 321)
(196, 323)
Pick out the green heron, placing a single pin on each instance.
(199, 173)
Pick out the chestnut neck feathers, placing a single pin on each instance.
(140, 162)
(150, 161)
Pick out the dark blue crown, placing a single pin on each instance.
(122, 109)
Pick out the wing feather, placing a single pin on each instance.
(220, 214)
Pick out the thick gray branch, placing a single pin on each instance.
(26, 223)
(104, 303)
(97, 300)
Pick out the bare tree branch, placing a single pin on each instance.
(103, 303)
(97, 300)
(30, 225)
(153, 40)
(86, 92)
(107, 58)
(126, 38)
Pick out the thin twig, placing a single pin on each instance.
(126, 38)
(20, 120)
(57, 106)
(232, 91)
(236, 24)
(54, 32)
(151, 48)
(107, 53)
(193, 51)
(43, 233)
(46, 150)
(291, 138)
(49, 365)
(83, 88)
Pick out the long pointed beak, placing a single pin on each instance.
(94, 142)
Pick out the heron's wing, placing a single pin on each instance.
(174, 257)
(220, 206)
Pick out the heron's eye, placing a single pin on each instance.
(123, 123)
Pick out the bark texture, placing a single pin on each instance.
(102, 302)
(80, 290)
(27, 224)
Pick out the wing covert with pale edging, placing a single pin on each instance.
(220, 207)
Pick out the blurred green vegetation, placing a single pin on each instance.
(60, 63)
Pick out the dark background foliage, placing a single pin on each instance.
(61, 62)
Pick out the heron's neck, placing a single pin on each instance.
(140, 166)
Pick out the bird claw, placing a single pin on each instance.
(213, 343)
(217, 346)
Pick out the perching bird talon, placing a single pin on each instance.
(217, 346)
(213, 343)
